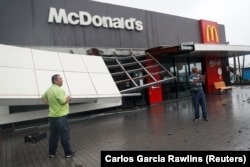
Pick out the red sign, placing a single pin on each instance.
(209, 32)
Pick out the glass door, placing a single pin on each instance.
(169, 89)
(182, 74)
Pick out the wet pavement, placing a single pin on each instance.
(165, 126)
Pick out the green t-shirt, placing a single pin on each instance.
(56, 97)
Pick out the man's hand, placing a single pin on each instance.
(202, 77)
(68, 98)
(45, 101)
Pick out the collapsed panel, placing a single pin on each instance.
(95, 64)
(18, 57)
(46, 60)
(44, 81)
(72, 62)
(18, 82)
(80, 84)
(104, 84)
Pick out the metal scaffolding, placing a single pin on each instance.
(132, 73)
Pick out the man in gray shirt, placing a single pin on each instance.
(198, 97)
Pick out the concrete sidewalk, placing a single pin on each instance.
(165, 126)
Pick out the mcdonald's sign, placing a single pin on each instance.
(211, 34)
(209, 31)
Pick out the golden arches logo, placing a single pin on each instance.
(211, 34)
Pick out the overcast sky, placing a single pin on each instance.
(231, 13)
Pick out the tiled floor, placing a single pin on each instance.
(166, 126)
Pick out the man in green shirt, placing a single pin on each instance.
(58, 103)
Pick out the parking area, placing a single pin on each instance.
(165, 126)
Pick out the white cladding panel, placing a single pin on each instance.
(85, 78)
(95, 64)
(80, 84)
(104, 84)
(45, 60)
(15, 57)
(17, 82)
(72, 62)
(44, 81)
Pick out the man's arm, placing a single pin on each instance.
(45, 101)
(68, 98)
(200, 79)
(192, 80)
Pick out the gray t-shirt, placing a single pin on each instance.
(198, 85)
